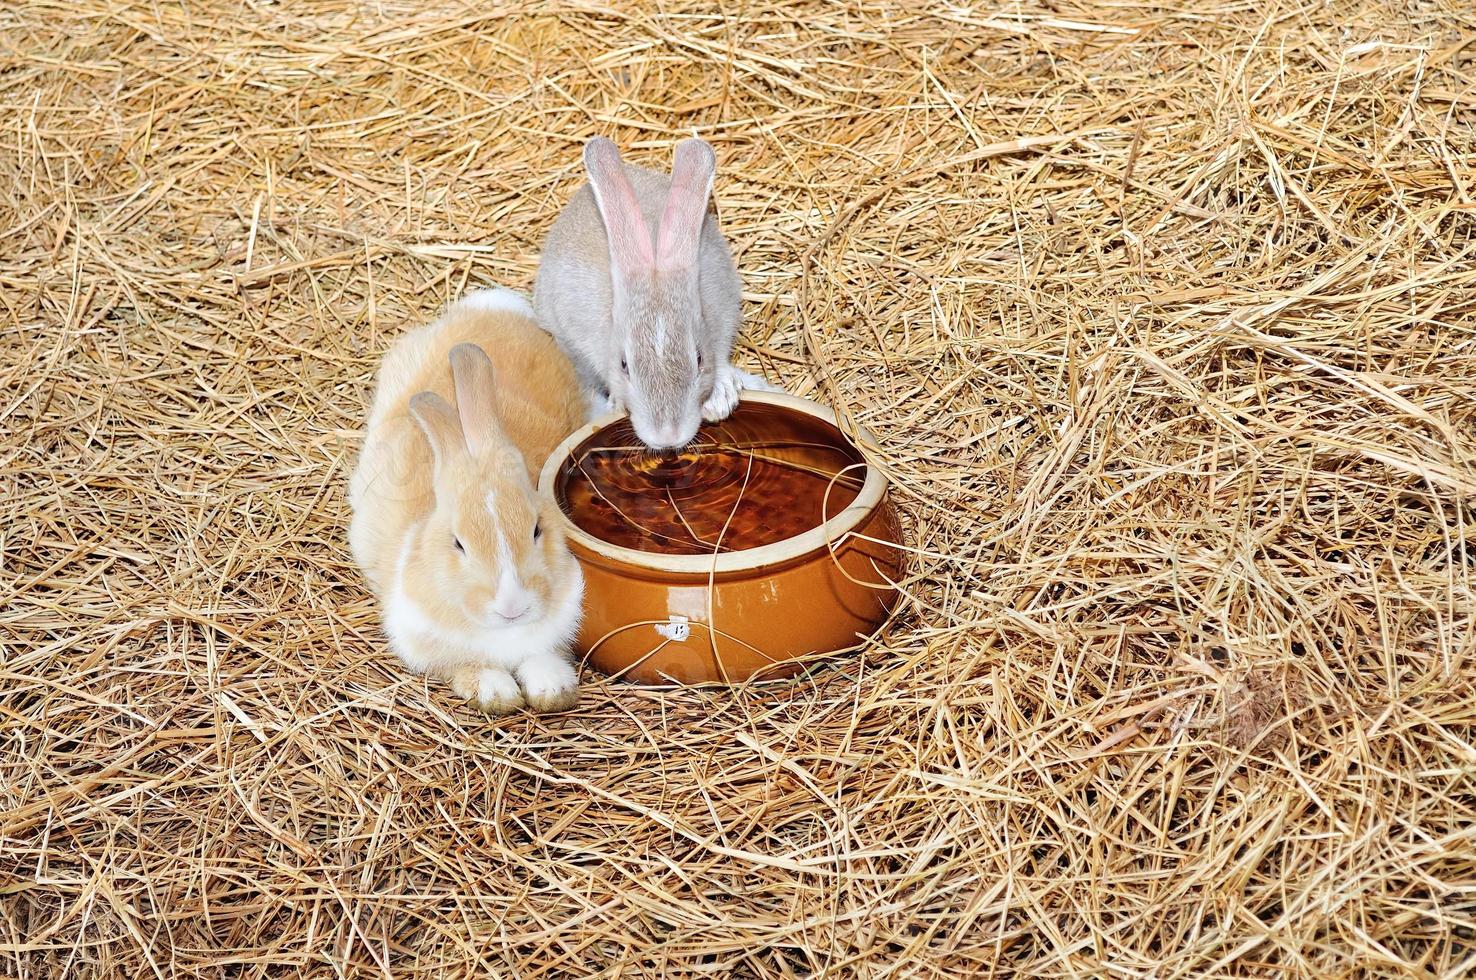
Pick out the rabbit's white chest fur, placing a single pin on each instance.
(425, 644)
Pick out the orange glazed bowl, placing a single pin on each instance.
(770, 539)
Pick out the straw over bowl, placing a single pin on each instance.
(769, 540)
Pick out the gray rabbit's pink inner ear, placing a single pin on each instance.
(476, 383)
(692, 170)
(625, 228)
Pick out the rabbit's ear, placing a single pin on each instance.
(471, 371)
(692, 170)
(630, 239)
(438, 421)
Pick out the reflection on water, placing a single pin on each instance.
(763, 475)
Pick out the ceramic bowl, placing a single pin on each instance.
(658, 618)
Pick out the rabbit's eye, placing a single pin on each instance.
(537, 530)
(459, 546)
(623, 366)
(699, 359)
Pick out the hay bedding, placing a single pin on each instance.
(1163, 314)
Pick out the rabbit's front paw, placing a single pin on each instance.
(724, 397)
(752, 382)
(490, 688)
(549, 683)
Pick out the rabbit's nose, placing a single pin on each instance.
(511, 604)
(667, 437)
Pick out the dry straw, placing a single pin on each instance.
(1162, 314)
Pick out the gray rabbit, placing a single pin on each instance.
(648, 320)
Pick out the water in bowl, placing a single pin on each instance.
(759, 477)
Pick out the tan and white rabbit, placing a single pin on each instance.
(474, 577)
(648, 320)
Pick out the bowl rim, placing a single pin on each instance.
(826, 535)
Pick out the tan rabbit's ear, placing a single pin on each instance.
(692, 170)
(625, 227)
(438, 421)
(471, 371)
